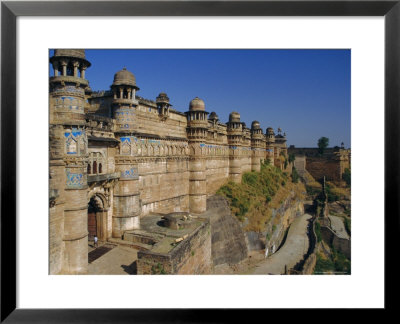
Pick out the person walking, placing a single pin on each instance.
(95, 241)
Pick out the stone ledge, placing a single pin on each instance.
(103, 177)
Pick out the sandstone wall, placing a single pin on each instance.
(217, 173)
(164, 185)
(319, 167)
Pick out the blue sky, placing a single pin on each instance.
(305, 92)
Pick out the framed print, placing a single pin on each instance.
(125, 173)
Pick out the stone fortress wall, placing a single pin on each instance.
(128, 157)
(331, 164)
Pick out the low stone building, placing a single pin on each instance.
(116, 157)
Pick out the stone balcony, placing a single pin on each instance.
(103, 177)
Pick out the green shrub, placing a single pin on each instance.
(295, 175)
(346, 176)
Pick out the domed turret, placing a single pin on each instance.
(255, 125)
(68, 62)
(163, 105)
(270, 131)
(68, 86)
(213, 116)
(124, 101)
(124, 77)
(234, 117)
(197, 104)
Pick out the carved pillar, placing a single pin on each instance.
(64, 67)
(75, 65)
(83, 70)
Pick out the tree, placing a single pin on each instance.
(323, 143)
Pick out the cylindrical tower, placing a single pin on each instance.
(124, 102)
(235, 138)
(68, 158)
(257, 145)
(270, 144)
(197, 134)
(126, 207)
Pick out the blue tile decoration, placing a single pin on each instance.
(131, 173)
(75, 180)
(125, 139)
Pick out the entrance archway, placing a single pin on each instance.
(92, 222)
(95, 212)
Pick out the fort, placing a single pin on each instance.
(332, 164)
(121, 165)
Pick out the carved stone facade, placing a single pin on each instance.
(116, 157)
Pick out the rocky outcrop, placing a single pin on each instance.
(228, 244)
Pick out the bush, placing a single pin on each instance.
(295, 175)
(347, 176)
(323, 265)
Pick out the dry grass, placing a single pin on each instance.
(258, 194)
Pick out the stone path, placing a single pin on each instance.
(337, 226)
(118, 261)
(291, 252)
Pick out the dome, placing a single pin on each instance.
(255, 125)
(124, 77)
(213, 116)
(197, 104)
(234, 117)
(270, 131)
(80, 53)
(162, 97)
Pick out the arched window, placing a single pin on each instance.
(100, 168)
(88, 169)
(125, 94)
(94, 167)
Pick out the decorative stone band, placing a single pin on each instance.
(68, 91)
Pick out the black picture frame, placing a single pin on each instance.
(11, 10)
